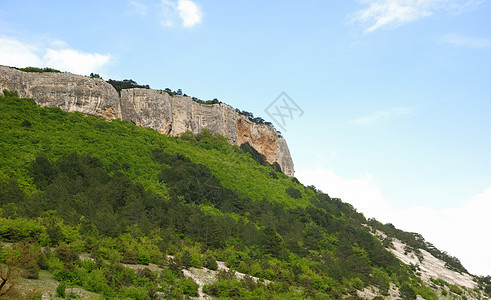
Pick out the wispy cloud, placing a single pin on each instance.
(138, 8)
(464, 41)
(55, 54)
(382, 115)
(384, 13)
(186, 12)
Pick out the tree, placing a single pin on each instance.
(407, 292)
(294, 193)
(272, 241)
(18, 256)
(187, 259)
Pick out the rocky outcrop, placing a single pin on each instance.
(170, 115)
(67, 91)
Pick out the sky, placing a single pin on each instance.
(392, 97)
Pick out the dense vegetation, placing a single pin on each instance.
(39, 70)
(86, 199)
(123, 84)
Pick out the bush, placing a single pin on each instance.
(31, 271)
(210, 263)
(133, 292)
(247, 148)
(188, 287)
(129, 257)
(60, 290)
(407, 292)
(455, 289)
(66, 254)
(39, 70)
(294, 193)
(358, 284)
(187, 259)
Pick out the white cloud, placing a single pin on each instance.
(16, 54)
(57, 55)
(383, 13)
(75, 61)
(382, 115)
(461, 231)
(188, 12)
(463, 41)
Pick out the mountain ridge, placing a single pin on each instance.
(168, 114)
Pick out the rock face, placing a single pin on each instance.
(67, 91)
(170, 115)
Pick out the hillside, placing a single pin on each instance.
(170, 113)
(120, 211)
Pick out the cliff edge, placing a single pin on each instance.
(170, 115)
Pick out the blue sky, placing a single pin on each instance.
(395, 93)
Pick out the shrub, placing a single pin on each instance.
(187, 259)
(455, 289)
(358, 283)
(210, 263)
(129, 257)
(294, 193)
(31, 271)
(26, 123)
(66, 254)
(407, 292)
(188, 287)
(247, 148)
(133, 292)
(39, 70)
(60, 290)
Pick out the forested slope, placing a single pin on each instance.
(74, 186)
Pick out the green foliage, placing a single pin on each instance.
(294, 193)
(261, 159)
(188, 287)
(20, 229)
(455, 289)
(187, 259)
(407, 292)
(257, 120)
(60, 290)
(126, 84)
(39, 70)
(247, 148)
(66, 254)
(130, 195)
(210, 263)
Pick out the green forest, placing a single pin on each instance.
(82, 200)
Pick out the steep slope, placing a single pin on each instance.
(130, 195)
(170, 115)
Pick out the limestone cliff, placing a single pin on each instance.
(67, 91)
(170, 115)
